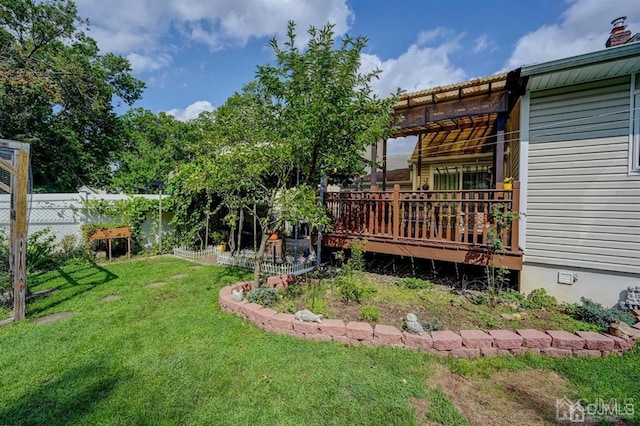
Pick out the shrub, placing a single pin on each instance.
(414, 283)
(317, 306)
(538, 299)
(595, 313)
(264, 296)
(353, 290)
(509, 296)
(41, 247)
(369, 313)
(433, 324)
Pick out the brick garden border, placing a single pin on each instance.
(465, 344)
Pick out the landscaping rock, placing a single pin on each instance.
(534, 338)
(476, 339)
(623, 331)
(446, 340)
(308, 316)
(505, 339)
(332, 327)
(359, 330)
(508, 317)
(596, 341)
(565, 340)
(418, 341)
(388, 335)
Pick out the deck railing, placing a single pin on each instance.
(451, 217)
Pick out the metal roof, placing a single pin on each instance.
(602, 64)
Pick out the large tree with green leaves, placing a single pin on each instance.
(153, 145)
(309, 113)
(57, 92)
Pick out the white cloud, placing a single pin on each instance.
(420, 67)
(481, 44)
(583, 27)
(142, 63)
(143, 27)
(402, 145)
(192, 111)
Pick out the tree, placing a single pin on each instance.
(56, 93)
(328, 107)
(310, 112)
(152, 147)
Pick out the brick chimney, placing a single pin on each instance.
(619, 33)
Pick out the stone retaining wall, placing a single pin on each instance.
(465, 344)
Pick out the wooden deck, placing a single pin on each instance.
(453, 226)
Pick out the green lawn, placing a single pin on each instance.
(169, 355)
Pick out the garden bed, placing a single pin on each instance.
(438, 304)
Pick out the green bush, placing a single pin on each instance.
(414, 283)
(317, 306)
(369, 313)
(509, 296)
(264, 296)
(351, 289)
(595, 313)
(433, 324)
(41, 251)
(538, 299)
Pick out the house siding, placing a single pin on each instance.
(582, 205)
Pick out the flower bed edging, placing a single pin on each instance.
(465, 344)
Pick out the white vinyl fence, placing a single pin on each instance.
(64, 214)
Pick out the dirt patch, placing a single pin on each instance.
(53, 317)
(156, 284)
(179, 276)
(111, 298)
(421, 406)
(524, 397)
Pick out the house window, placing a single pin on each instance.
(466, 176)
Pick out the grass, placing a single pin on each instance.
(169, 355)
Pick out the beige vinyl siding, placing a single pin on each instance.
(583, 209)
(592, 111)
(512, 137)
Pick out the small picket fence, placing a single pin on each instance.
(270, 268)
(188, 253)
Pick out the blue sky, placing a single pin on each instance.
(194, 54)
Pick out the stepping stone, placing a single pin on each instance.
(195, 267)
(54, 317)
(178, 276)
(111, 298)
(156, 284)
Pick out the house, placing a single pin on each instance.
(580, 174)
(567, 133)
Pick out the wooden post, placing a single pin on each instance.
(384, 165)
(19, 235)
(419, 162)
(515, 207)
(396, 211)
(373, 210)
(374, 168)
(499, 167)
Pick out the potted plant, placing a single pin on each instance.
(508, 183)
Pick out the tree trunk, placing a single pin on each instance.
(259, 257)
(240, 224)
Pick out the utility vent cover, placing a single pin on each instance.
(566, 278)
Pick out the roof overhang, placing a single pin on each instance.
(602, 64)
